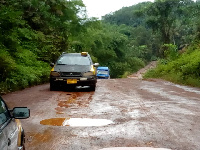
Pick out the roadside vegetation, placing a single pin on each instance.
(185, 69)
(174, 38)
(34, 33)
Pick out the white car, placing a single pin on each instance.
(12, 135)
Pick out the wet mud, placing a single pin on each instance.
(120, 114)
(39, 138)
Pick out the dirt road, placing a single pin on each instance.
(121, 113)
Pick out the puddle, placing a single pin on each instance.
(53, 121)
(74, 100)
(76, 122)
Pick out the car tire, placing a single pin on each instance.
(93, 87)
(24, 147)
(53, 86)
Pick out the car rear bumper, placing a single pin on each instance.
(102, 77)
(81, 81)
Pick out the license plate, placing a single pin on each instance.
(71, 81)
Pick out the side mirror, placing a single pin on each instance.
(96, 65)
(21, 112)
(52, 64)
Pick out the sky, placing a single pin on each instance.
(98, 8)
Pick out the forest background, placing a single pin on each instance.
(33, 33)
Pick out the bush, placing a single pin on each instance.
(7, 64)
(27, 71)
(184, 70)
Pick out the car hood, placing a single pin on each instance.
(134, 148)
(72, 68)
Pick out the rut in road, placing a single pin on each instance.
(145, 113)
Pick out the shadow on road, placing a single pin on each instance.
(74, 89)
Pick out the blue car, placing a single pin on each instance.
(103, 73)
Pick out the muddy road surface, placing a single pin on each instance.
(120, 113)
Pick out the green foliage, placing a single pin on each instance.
(135, 64)
(174, 21)
(158, 23)
(117, 69)
(161, 29)
(122, 69)
(184, 70)
(108, 45)
(34, 33)
(7, 64)
(131, 16)
(170, 51)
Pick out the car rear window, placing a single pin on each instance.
(102, 72)
(73, 60)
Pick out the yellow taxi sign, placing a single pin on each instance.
(84, 53)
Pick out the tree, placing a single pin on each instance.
(168, 17)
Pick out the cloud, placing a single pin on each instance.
(98, 8)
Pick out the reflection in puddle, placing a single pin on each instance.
(76, 122)
(53, 121)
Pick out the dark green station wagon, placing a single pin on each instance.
(73, 69)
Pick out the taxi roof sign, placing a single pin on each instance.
(84, 53)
